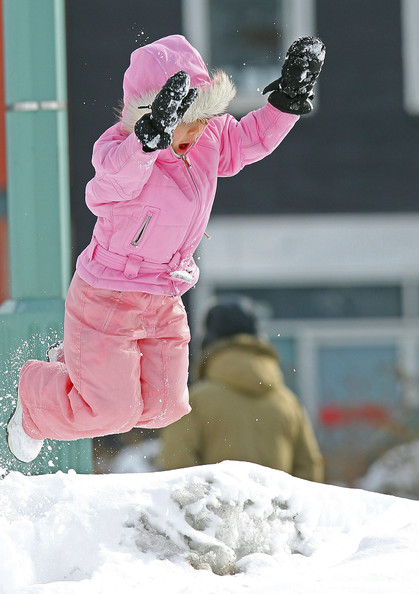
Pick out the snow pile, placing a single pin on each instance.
(230, 527)
(395, 473)
(217, 524)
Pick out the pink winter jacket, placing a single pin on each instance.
(152, 208)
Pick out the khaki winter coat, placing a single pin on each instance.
(242, 410)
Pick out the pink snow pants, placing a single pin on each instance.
(125, 365)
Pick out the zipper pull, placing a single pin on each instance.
(185, 160)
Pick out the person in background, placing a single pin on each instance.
(241, 407)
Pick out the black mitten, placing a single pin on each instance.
(155, 129)
(293, 91)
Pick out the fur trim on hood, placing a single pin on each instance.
(153, 64)
(213, 100)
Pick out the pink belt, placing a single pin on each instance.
(130, 265)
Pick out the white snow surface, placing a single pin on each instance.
(218, 529)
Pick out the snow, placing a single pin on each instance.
(396, 472)
(230, 527)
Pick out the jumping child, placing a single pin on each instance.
(124, 360)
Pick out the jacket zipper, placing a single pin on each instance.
(188, 169)
(188, 166)
(141, 231)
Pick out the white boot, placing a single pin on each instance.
(23, 447)
(55, 352)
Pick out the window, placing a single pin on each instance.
(410, 50)
(247, 39)
(326, 302)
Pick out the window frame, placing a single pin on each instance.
(298, 14)
(410, 53)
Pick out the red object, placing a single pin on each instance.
(332, 415)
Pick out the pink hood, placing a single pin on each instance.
(153, 64)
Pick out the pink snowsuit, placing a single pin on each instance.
(125, 333)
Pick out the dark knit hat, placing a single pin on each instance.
(231, 314)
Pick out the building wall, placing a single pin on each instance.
(341, 198)
(357, 154)
(101, 34)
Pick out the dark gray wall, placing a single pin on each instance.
(358, 153)
(101, 34)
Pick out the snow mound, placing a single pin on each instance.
(213, 523)
(251, 528)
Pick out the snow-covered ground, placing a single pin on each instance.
(231, 527)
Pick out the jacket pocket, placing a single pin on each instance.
(145, 227)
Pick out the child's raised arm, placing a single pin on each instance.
(122, 168)
(259, 132)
